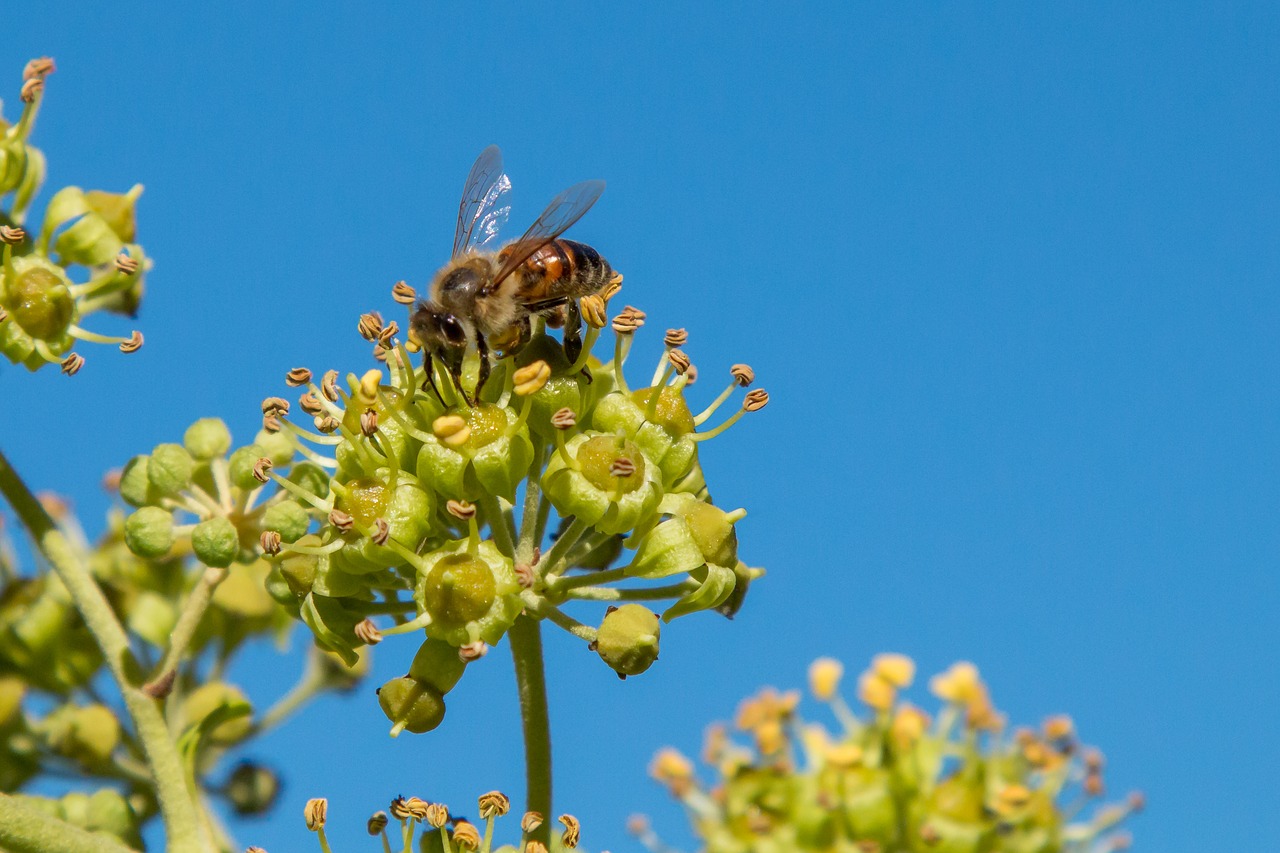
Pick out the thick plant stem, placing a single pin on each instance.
(177, 806)
(526, 649)
(26, 829)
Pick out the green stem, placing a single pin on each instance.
(182, 824)
(26, 829)
(499, 525)
(526, 650)
(188, 621)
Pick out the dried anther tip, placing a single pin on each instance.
(473, 651)
(296, 377)
(381, 531)
(271, 423)
(535, 847)
(275, 406)
(691, 374)
(403, 293)
(270, 542)
(126, 264)
(377, 822)
(531, 378)
(417, 807)
(437, 815)
(369, 421)
(368, 633)
(622, 467)
(370, 326)
(676, 338)
(572, 830)
(628, 321)
(40, 67)
(388, 332)
(525, 576)
(12, 234)
(494, 804)
(400, 808)
(31, 89)
(679, 361)
(327, 425)
(310, 404)
(254, 849)
(341, 520)
(315, 812)
(464, 510)
(564, 419)
(743, 373)
(530, 822)
(756, 400)
(611, 289)
(133, 344)
(329, 386)
(466, 836)
(260, 469)
(71, 364)
(451, 430)
(594, 311)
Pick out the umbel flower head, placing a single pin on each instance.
(436, 830)
(450, 512)
(893, 778)
(85, 257)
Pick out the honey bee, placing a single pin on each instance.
(490, 297)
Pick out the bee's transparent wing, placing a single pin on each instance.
(478, 216)
(564, 210)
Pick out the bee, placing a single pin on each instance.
(489, 297)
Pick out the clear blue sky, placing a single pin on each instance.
(1009, 271)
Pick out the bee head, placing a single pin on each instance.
(439, 331)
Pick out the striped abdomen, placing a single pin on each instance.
(563, 268)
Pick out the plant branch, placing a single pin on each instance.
(526, 650)
(26, 829)
(182, 824)
(189, 620)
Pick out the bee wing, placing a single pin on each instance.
(564, 210)
(478, 216)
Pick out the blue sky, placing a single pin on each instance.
(1008, 271)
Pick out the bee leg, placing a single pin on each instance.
(573, 335)
(483, 348)
(430, 381)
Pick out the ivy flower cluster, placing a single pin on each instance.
(438, 831)
(452, 514)
(85, 257)
(893, 778)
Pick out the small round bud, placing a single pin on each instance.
(403, 293)
(572, 830)
(287, 518)
(240, 467)
(135, 486)
(824, 678)
(376, 823)
(530, 822)
(531, 378)
(71, 364)
(149, 532)
(628, 639)
(756, 400)
(494, 804)
(207, 438)
(411, 704)
(252, 788)
(316, 812)
(207, 698)
(170, 468)
(297, 377)
(216, 542)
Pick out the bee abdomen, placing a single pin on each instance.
(566, 268)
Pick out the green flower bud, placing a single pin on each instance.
(148, 532)
(411, 705)
(169, 468)
(288, 518)
(240, 467)
(311, 477)
(470, 596)
(12, 689)
(670, 548)
(106, 810)
(712, 528)
(276, 446)
(628, 639)
(208, 698)
(207, 438)
(86, 734)
(252, 789)
(37, 296)
(117, 210)
(243, 595)
(594, 492)
(152, 617)
(437, 664)
(135, 485)
(215, 541)
(89, 240)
